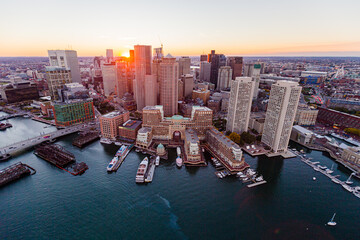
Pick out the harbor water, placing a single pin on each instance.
(186, 203)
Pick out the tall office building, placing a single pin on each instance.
(151, 90)
(122, 85)
(253, 70)
(109, 55)
(109, 78)
(224, 78)
(184, 66)
(203, 58)
(67, 59)
(205, 70)
(280, 115)
(216, 60)
(142, 55)
(241, 95)
(158, 53)
(56, 78)
(188, 85)
(236, 64)
(169, 85)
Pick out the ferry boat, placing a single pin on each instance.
(121, 151)
(157, 161)
(105, 141)
(111, 165)
(179, 161)
(140, 175)
(178, 151)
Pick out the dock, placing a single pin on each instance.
(85, 138)
(15, 172)
(122, 159)
(256, 184)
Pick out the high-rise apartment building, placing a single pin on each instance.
(168, 81)
(253, 70)
(224, 78)
(56, 78)
(109, 77)
(280, 115)
(109, 55)
(205, 70)
(67, 59)
(236, 64)
(142, 55)
(151, 90)
(184, 66)
(241, 95)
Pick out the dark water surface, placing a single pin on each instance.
(186, 203)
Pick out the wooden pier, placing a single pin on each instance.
(14, 172)
(85, 138)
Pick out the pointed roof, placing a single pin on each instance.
(169, 56)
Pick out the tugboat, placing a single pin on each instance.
(140, 175)
(179, 162)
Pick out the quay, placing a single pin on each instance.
(122, 158)
(256, 184)
(38, 119)
(85, 138)
(11, 116)
(14, 172)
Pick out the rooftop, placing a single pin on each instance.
(114, 114)
(132, 124)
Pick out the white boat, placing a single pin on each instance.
(259, 179)
(137, 150)
(347, 187)
(331, 222)
(157, 161)
(179, 161)
(322, 167)
(111, 165)
(203, 150)
(239, 173)
(357, 189)
(314, 178)
(316, 168)
(243, 176)
(178, 151)
(143, 166)
(330, 170)
(356, 194)
(348, 180)
(245, 179)
(118, 143)
(335, 180)
(251, 172)
(105, 141)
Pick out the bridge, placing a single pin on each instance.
(31, 142)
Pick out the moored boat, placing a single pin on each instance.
(157, 161)
(179, 161)
(111, 165)
(105, 141)
(143, 166)
(178, 151)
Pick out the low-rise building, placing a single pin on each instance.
(301, 135)
(129, 129)
(332, 117)
(192, 147)
(19, 91)
(203, 94)
(73, 111)
(144, 137)
(352, 156)
(110, 122)
(306, 116)
(214, 105)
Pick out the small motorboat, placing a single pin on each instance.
(332, 222)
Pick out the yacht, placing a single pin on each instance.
(105, 141)
(251, 172)
(118, 143)
(316, 168)
(239, 173)
(329, 171)
(140, 175)
(179, 161)
(347, 187)
(111, 165)
(178, 151)
(157, 161)
(335, 180)
(259, 179)
(322, 167)
(331, 222)
(348, 180)
(137, 150)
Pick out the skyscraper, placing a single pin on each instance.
(188, 84)
(184, 66)
(151, 90)
(122, 86)
(216, 60)
(224, 78)
(67, 59)
(205, 70)
(109, 78)
(142, 54)
(169, 85)
(109, 55)
(236, 64)
(253, 70)
(203, 58)
(280, 115)
(242, 89)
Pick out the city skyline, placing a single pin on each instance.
(259, 28)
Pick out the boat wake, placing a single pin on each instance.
(167, 203)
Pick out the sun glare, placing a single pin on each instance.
(125, 54)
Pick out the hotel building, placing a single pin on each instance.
(110, 122)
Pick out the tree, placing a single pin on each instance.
(235, 137)
(353, 131)
(248, 138)
(228, 133)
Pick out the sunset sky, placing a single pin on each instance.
(257, 27)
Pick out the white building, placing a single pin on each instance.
(67, 59)
(224, 78)
(241, 94)
(109, 77)
(205, 70)
(280, 115)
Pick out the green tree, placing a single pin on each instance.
(235, 137)
(248, 137)
(352, 131)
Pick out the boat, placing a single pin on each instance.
(330, 170)
(335, 180)
(179, 161)
(105, 141)
(4, 126)
(118, 143)
(121, 151)
(331, 222)
(111, 165)
(178, 151)
(348, 180)
(322, 167)
(245, 179)
(316, 168)
(202, 149)
(157, 161)
(259, 179)
(356, 194)
(143, 166)
(357, 189)
(347, 187)
(251, 172)
(314, 178)
(26, 116)
(137, 150)
(243, 176)
(239, 173)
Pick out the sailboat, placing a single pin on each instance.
(348, 180)
(330, 170)
(331, 222)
